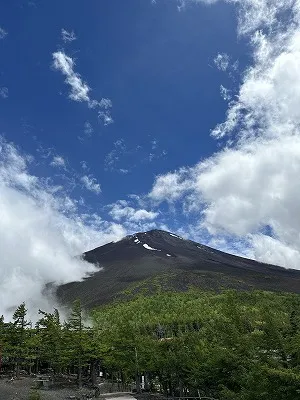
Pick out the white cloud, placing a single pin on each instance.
(105, 117)
(68, 36)
(3, 33)
(4, 92)
(65, 64)
(154, 144)
(58, 161)
(105, 103)
(171, 186)
(87, 131)
(155, 155)
(114, 156)
(253, 14)
(253, 182)
(80, 91)
(225, 93)
(222, 61)
(269, 249)
(121, 210)
(41, 231)
(84, 165)
(122, 154)
(183, 3)
(91, 184)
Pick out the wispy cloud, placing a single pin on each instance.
(87, 131)
(225, 93)
(84, 165)
(3, 33)
(155, 156)
(68, 36)
(58, 161)
(154, 144)
(80, 91)
(65, 64)
(106, 117)
(70, 178)
(105, 103)
(104, 114)
(134, 215)
(4, 92)
(121, 153)
(91, 184)
(113, 156)
(183, 3)
(222, 61)
(121, 210)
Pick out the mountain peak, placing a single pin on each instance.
(163, 259)
(154, 239)
(158, 233)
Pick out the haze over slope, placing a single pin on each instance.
(136, 261)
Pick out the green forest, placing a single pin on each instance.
(231, 345)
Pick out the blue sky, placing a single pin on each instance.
(123, 116)
(154, 63)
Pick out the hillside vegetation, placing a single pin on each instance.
(233, 345)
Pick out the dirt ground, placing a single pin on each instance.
(21, 388)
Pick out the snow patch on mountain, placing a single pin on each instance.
(149, 248)
(178, 237)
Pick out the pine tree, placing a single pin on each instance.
(18, 336)
(77, 338)
(50, 339)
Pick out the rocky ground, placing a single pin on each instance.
(20, 389)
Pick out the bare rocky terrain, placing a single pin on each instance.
(20, 389)
(157, 260)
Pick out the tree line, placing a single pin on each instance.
(232, 345)
(48, 346)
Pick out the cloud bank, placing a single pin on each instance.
(41, 229)
(250, 190)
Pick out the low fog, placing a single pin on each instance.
(41, 232)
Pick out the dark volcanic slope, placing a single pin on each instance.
(172, 263)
